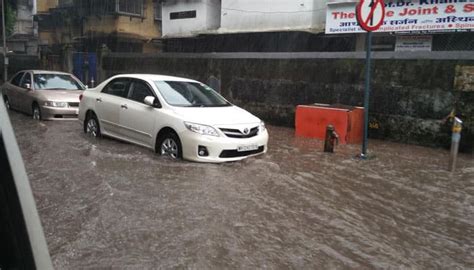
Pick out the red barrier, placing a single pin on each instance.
(311, 121)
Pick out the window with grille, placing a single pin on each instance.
(102, 7)
(134, 7)
(183, 15)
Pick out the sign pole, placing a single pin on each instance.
(367, 92)
(370, 15)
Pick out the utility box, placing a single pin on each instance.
(311, 122)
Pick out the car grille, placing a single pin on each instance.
(235, 153)
(73, 104)
(235, 133)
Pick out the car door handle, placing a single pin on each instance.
(124, 106)
(98, 99)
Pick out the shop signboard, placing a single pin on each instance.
(406, 16)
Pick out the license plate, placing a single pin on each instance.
(244, 148)
(77, 111)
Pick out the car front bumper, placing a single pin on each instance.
(57, 113)
(221, 149)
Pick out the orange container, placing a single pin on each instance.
(311, 121)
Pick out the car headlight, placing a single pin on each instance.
(55, 104)
(262, 127)
(201, 129)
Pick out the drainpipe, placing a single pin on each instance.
(34, 7)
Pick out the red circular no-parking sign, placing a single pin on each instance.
(370, 14)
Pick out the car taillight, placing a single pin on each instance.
(80, 97)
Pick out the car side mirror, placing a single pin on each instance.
(27, 86)
(152, 101)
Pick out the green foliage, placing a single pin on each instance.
(10, 18)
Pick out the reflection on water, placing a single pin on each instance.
(105, 203)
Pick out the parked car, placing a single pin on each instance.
(45, 95)
(177, 117)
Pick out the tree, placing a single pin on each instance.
(10, 16)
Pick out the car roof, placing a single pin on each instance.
(38, 71)
(155, 77)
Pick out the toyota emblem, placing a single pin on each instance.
(246, 131)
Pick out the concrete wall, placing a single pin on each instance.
(410, 97)
(271, 15)
(207, 17)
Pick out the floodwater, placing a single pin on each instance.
(105, 203)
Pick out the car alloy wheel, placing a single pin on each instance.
(170, 148)
(92, 127)
(36, 113)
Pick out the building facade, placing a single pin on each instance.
(88, 25)
(24, 39)
(190, 18)
(73, 34)
(313, 25)
(272, 15)
(253, 26)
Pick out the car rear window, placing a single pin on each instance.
(118, 87)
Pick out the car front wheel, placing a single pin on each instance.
(170, 145)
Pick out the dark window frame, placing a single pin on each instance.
(132, 89)
(127, 87)
(22, 84)
(20, 75)
(148, 86)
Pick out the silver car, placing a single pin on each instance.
(45, 95)
(176, 117)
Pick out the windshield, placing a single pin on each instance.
(190, 94)
(56, 82)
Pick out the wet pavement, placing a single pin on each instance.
(105, 203)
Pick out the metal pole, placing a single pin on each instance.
(5, 58)
(367, 92)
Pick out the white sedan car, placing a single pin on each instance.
(177, 117)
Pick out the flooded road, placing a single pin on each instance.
(104, 203)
